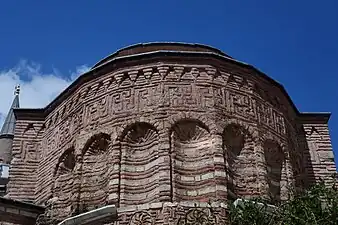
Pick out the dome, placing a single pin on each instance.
(144, 48)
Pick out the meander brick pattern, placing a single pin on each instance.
(167, 143)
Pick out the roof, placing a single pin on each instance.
(153, 46)
(9, 124)
(19, 212)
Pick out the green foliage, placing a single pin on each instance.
(315, 206)
(318, 205)
(251, 213)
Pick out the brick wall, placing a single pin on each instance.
(25, 159)
(318, 150)
(166, 125)
(155, 132)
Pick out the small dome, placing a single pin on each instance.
(159, 46)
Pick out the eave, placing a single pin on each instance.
(311, 117)
(17, 212)
(130, 60)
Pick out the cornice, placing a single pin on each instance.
(312, 117)
(143, 58)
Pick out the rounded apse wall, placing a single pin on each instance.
(185, 127)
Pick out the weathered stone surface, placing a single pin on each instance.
(168, 139)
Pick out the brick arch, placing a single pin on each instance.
(268, 136)
(93, 173)
(192, 167)
(121, 130)
(189, 120)
(238, 148)
(66, 162)
(96, 144)
(139, 164)
(275, 161)
(198, 117)
(249, 129)
(134, 126)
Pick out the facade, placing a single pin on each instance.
(168, 133)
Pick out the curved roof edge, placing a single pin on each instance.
(41, 112)
(155, 44)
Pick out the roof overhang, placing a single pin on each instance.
(113, 63)
(17, 212)
(6, 136)
(320, 117)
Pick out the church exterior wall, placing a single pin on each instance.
(161, 137)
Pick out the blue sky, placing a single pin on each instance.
(45, 44)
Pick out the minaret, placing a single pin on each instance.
(7, 131)
(6, 141)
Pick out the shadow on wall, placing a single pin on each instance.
(240, 168)
(303, 168)
(79, 183)
(274, 158)
(93, 173)
(63, 184)
(281, 169)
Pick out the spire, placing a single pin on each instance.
(9, 124)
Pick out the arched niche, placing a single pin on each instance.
(66, 163)
(139, 169)
(192, 167)
(63, 183)
(238, 148)
(93, 174)
(274, 158)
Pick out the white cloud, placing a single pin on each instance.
(37, 88)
